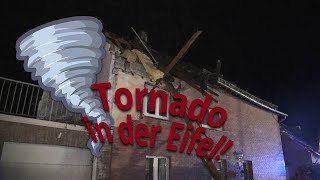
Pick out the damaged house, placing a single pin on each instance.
(54, 139)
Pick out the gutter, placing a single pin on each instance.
(252, 100)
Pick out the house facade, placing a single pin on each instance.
(255, 130)
(252, 125)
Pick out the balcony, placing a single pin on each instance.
(29, 100)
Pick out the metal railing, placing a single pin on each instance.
(19, 98)
(29, 100)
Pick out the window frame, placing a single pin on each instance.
(156, 166)
(157, 113)
(221, 166)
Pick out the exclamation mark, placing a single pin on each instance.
(224, 149)
(218, 146)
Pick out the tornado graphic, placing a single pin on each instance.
(64, 56)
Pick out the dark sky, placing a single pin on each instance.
(269, 48)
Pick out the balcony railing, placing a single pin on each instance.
(29, 100)
(19, 98)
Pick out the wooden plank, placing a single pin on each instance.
(176, 59)
(182, 52)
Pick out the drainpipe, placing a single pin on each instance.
(94, 168)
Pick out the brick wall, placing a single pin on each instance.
(254, 130)
(257, 136)
(130, 160)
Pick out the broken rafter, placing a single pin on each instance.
(176, 59)
(182, 52)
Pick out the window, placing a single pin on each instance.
(221, 166)
(215, 118)
(157, 168)
(157, 113)
(218, 165)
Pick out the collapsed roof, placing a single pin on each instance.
(194, 76)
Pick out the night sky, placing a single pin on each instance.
(271, 49)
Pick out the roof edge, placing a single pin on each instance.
(249, 97)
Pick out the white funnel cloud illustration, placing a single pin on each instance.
(64, 56)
